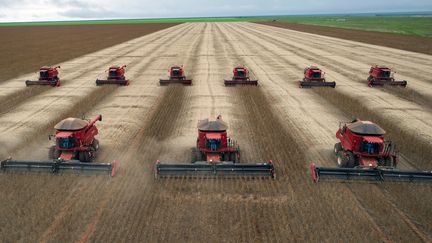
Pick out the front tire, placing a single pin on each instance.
(95, 144)
(84, 156)
(53, 153)
(337, 148)
(341, 161)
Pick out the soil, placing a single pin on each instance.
(278, 121)
(27, 48)
(398, 41)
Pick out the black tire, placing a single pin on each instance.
(351, 161)
(235, 158)
(341, 160)
(194, 155)
(389, 161)
(53, 153)
(226, 156)
(84, 156)
(199, 156)
(95, 144)
(337, 148)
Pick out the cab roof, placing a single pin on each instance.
(366, 128)
(212, 125)
(71, 124)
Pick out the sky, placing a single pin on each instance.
(43, 10)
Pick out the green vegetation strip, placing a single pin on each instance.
(407, 25)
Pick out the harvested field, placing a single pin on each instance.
(144, 122)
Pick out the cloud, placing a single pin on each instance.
(41, 10)
(88, 13)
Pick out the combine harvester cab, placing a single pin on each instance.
(216, 155)
(75, 148)
(240, 77)
(381, 76)
(177, 76)
(47, 76)
(364, 154)
(116, 75)
(314, 77)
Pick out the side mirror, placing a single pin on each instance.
(100, 117)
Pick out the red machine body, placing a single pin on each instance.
(75, 139)
(381, 75)
(47, 76)
(362, 143)
(177, 75)
(116, 75)
(241, 76)
(213, 143)
(314, 77)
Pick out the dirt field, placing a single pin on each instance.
(145, 122)
(398, 41)
(25, 49)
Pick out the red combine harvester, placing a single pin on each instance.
(381, 75)
(177, 76)
(215, 155)
(47, 76)
(240, 76)
(314, 77)
(363, 153)
(115, 76)
(74, 149)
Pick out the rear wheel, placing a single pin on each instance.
(337, 148)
